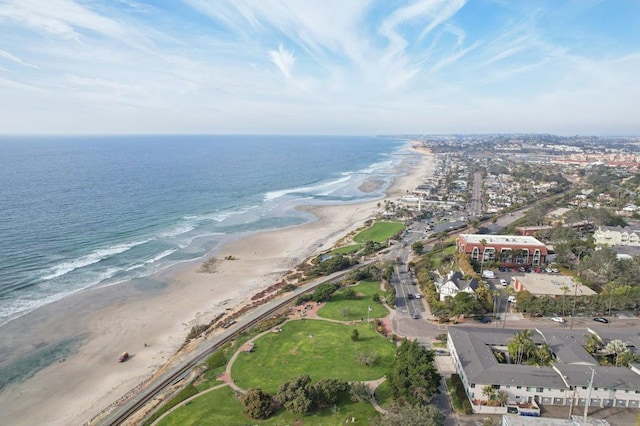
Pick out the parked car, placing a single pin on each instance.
(485, 320)
(558, 319)
(415, 316)
(522, 269)
(503, 282)
(602, 320)
(511, 299)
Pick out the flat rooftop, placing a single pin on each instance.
(551, 284)
(501, 239)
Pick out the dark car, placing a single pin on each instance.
(602, 320)
(416, 316)
(410, 296)
(485, 320)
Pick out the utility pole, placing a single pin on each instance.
(588, 400)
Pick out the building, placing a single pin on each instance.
(575, 378)
(549, 284)
(617, 236)
(454, 284)
(514, 420)
(508, 250)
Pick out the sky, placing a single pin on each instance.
(320, 67)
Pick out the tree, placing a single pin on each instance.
(257, 404)
(522, 347)
(489, 392)
(349, 293)
(359, 391)
(327, 391)
(417, 247)
(355, 335)
(617, 347)
(413, 377)
(593, 344)
(296, 395)
(411, 415)
(565, 290)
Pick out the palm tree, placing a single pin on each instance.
(489, 392)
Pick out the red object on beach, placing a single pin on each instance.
(123, 357)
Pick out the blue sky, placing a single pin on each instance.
(320, 67)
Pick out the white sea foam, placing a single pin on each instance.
(272, 195)
(90, 259)
(179, 230)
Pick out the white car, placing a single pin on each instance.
(512, 299)
(418, 296)
(558, 319)
(503, 282)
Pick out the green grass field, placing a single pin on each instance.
(342, 309)
(379, 232)
(319, 348)
(383, 395)
(221, 407)
(347, 249)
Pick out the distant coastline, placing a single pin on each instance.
(150, 316)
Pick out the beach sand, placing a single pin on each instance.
(150, 317)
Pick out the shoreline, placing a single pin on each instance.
(150, 317)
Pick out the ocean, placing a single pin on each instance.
(84, 211)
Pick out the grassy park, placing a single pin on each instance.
(379, 232)
(318, 348)
(345, 309)
(222, 407)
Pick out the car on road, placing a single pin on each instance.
(410, 296)
(558, 319)
(503, 282)
(415, 316)
(484, 320)
(602, 320)
(418, 295)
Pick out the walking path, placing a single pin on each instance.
(311, 313)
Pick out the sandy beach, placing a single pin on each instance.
(150, 317)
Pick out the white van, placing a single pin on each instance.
(558, 319)
(488, 274)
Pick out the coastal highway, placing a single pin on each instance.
(139, 398)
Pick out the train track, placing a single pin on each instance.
(120, 414)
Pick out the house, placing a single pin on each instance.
(454, 284)
(509, 250)
(575, 378)
(617, 236)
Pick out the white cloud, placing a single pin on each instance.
(6, 55)
(284, 59)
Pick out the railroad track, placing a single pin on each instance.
(119, 415)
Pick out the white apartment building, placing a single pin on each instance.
(573, 379)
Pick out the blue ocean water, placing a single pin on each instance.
(83, 211)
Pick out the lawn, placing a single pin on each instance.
(346, 249)
(319, 348)
(342, 309)
(383, 395)
(379, 232)
(221, 407)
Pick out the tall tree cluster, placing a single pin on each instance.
(413, 377)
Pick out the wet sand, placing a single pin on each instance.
(151, 317)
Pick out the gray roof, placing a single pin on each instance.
(604, 377)
(568, 345)
(473, 347)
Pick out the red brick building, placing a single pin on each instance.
(508, 250)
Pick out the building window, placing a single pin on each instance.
(518, 387)
(473, 385)
(474, 253)
(529, 389)
(539, 390)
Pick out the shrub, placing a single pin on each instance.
(257, 404)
